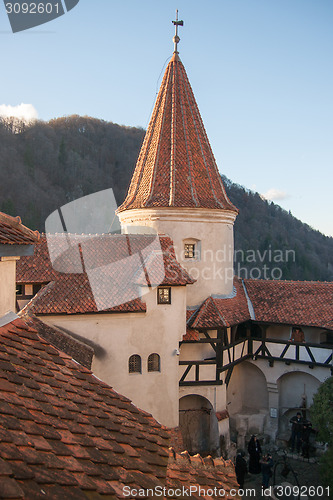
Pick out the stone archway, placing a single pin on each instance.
(247, 402)
(199, 426)
(296, 391)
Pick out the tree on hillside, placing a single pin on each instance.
(322, 418)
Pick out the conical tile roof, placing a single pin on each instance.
(176, 166)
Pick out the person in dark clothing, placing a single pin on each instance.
(296, 431)
(297, 335)
(305, 438)
(266, 469)
(254, 450)
(240, 468)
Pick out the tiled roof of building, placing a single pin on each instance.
(305, 303)
(191, 333)
(13, 232)
(72, 294)
(36, 268)
(222, 312)
(64, 434)
(108, 268)
(70, 344)
(176, 166)
(207, 477)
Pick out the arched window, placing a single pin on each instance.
(134, 364)
(154, 363)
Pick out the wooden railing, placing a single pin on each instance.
(270, 349)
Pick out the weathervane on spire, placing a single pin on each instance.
(176, 38)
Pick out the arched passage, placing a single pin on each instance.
(198, 425)
(296, 391)
(247, 400)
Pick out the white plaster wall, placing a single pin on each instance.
(247, 390)
(216, 395)
(294, 386)
(213, 270)
(249, 402)
(7, 284)
(121, 335)
(273, 373)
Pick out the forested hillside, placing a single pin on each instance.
(45, 165)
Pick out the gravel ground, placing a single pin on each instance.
(307, 474)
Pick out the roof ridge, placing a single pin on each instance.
(18, 229)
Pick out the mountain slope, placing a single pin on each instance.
(45, 165)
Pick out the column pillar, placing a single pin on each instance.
(273, 409)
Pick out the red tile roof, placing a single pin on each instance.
(72, 293)
(222, 312)
(12, 232)
(176, 166)
(71, 344)
(191, 333)
(204, 475)
(306, 303)
(281, 302)
(64, 433)
(36, 268)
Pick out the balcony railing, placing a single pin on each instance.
(270, 349)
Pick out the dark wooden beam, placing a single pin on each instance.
(201, 382)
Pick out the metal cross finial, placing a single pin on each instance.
(176, 38)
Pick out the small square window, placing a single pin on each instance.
(19, 289)
(189, 250)
(164, 295)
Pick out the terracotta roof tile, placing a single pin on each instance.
(185, 471)
(71, 293)
(222, 312)
(176, 166)
(191, 333)
(12, 232)
(280, 302)
(40, 458)
(304, 303)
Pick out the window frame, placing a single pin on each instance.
(154, 362)
(133, 360)
(163, 302)
(187, 251)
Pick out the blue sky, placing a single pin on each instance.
(261, 71)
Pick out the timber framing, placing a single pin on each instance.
(229, 354)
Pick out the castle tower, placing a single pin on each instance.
(176, 188)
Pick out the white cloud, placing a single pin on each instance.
(23, 111)
(275, 194)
